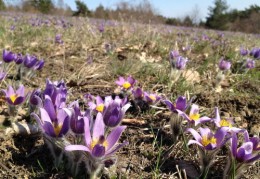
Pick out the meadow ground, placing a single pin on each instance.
(94, 53)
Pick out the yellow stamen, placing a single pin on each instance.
(206, 140)
(57, 128)
(13, 97)
(126, 85)
(153, 98)
(100, 108)
(225, 123)
(194, 116)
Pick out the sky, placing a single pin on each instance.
(171, 8)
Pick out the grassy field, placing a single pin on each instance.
(89, 55)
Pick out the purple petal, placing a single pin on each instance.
(195, 134)
(44, 115)
(131, 80)
(217, 118)
(48, 129)
(170, 105)
(49, 107)
(99, 100)
(65, 127)
(195, 142)
(20, 91)
(116, 148)
(181, 103)
(234, 145)
(205, 131)
(194, 109)
(87, 135)
(99, 127)
(10, 91)
(220, 135)
(19, 100)
(77, 147)
(253, 158)
(120, 81)
(98, 150)
(114, 136)
(37, 118)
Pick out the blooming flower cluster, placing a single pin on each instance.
(99, 124)
(210, 141)
(26, 65)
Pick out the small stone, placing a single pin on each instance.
(243, 113)
(237, 119)
(255, 130)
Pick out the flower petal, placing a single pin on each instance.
(99, 127)
(114, 136)
(77, 147)
(195, 134)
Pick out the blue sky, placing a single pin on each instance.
(172, 8)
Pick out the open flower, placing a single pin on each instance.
(96, 143)
(151, 98)
(53, 121)
(244, 153)
(29, 61)
(97, 106)
(226, 124)
(126, 83)
(250, 63)
(207, 139)
(194, 116)
(180, 104)
(224, 65)
(14, 97)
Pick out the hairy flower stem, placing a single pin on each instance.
(12, 110)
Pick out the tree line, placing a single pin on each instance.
(220, 16)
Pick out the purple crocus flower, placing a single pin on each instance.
(114, 114)
(58, 39)
(255, 52)
(244, 153)
(243, 51)
(19, 59)
(180, 104)
(180, 63)
(77, 119)
(250, 63)
(29, 61)
(51, 124)
(226, 124)
(151, 98)
(39, 65)
(194, 116)
(98, 106)
(138, 93)
(126, 83)
(255, 140)
(14, 97)
(35, 97)
(96, 143)
(207, 139)
(8, 56)
(224, 65)
(174, 54)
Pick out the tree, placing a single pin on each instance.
(44, 6)
(82, 9)
(2, 5)
(217, 15)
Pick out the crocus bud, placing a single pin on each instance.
(8, 56)
(224, 65)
